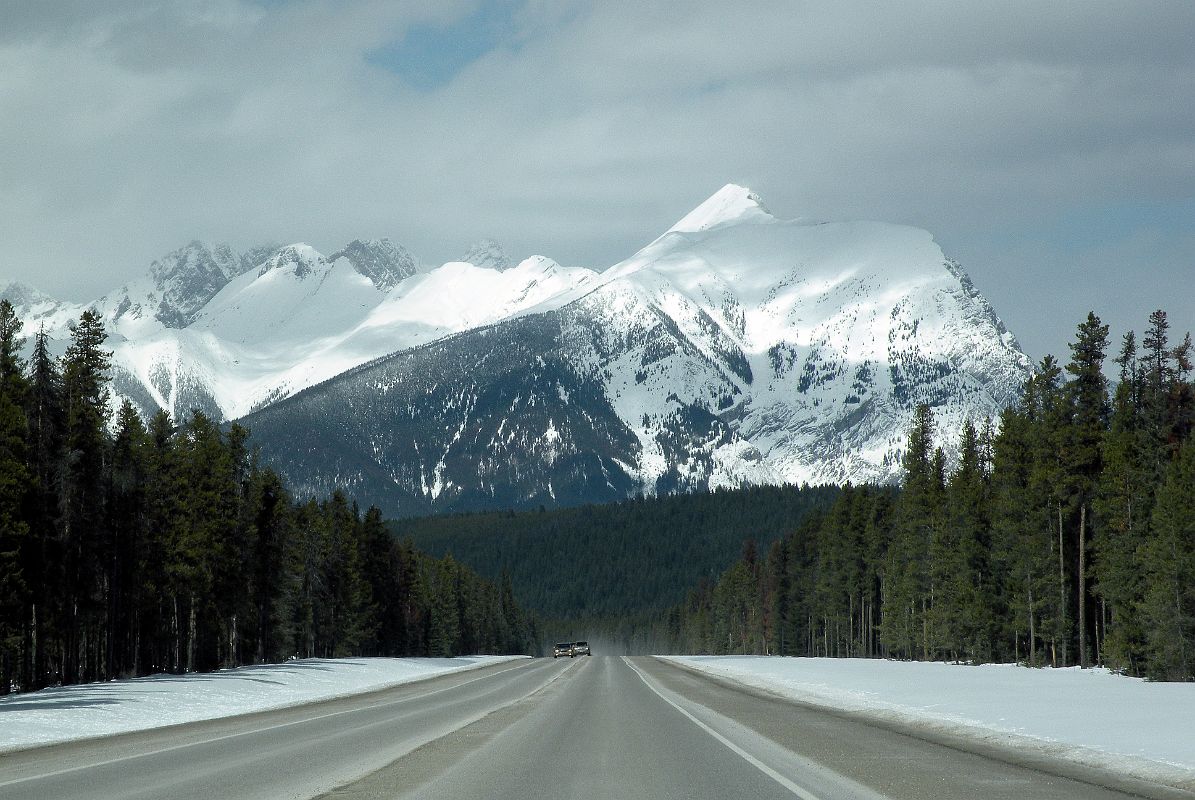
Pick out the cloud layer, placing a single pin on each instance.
(1050, 147)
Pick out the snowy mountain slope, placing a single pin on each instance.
(735, 349)
(255, 334)
(302, 319)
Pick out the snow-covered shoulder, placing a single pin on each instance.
(1091, 717)
(69, 713)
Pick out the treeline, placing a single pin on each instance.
(1066, 537)
(128, 549)
(598, 567)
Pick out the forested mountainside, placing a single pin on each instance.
(620, 559)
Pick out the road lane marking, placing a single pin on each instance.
(279, 726)
(799, 791)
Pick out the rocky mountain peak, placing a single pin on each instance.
(381, 260)
(187, 278)
(300, 259)
(487, 254)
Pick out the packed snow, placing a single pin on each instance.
(67, 713)
(1089, 716)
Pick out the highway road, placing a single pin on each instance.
(600, 727)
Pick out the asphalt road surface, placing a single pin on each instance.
(600, 727)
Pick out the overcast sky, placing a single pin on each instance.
(1049, 147)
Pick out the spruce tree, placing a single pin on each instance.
(1049, 416)
(45, 412)
(443, 637)
(1159, 374)
(128, 526)
(272, 531)
(964, 601)
(1169, 561)
(1088, 398)
(1122, 505)
(905, 627)
(15, 595)
(85, 392)
(1020, 531)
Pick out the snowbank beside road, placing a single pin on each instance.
(1091, 716)
(100, 709)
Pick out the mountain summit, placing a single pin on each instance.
(730, 204)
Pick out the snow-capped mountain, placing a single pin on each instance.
(737, 348)
(283, 319)
(38, 310)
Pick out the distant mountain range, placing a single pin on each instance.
(735, 349)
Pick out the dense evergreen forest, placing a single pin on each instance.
(1065, 537)
(128, 549)
(607, 564)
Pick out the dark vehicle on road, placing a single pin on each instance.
(562, 649)
(581, 649)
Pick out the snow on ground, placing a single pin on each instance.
(100, 709)
(1091, 716)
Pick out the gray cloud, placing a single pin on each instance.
(127, 129)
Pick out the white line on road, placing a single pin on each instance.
(750, 759)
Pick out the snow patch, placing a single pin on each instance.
(68, 713)
(1092, 717)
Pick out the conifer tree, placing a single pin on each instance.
(778, 640)
(1021, 534)
(963, 602)
(443, 636)
(1049, 415)
(1088, 397)
(45, 413)
(1161, 392)
(272, 530)
(1122, 505)
(905, 627)
(14, 491)
(128, 518)
(85, 392)
(1169, 603)
(346, 592)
